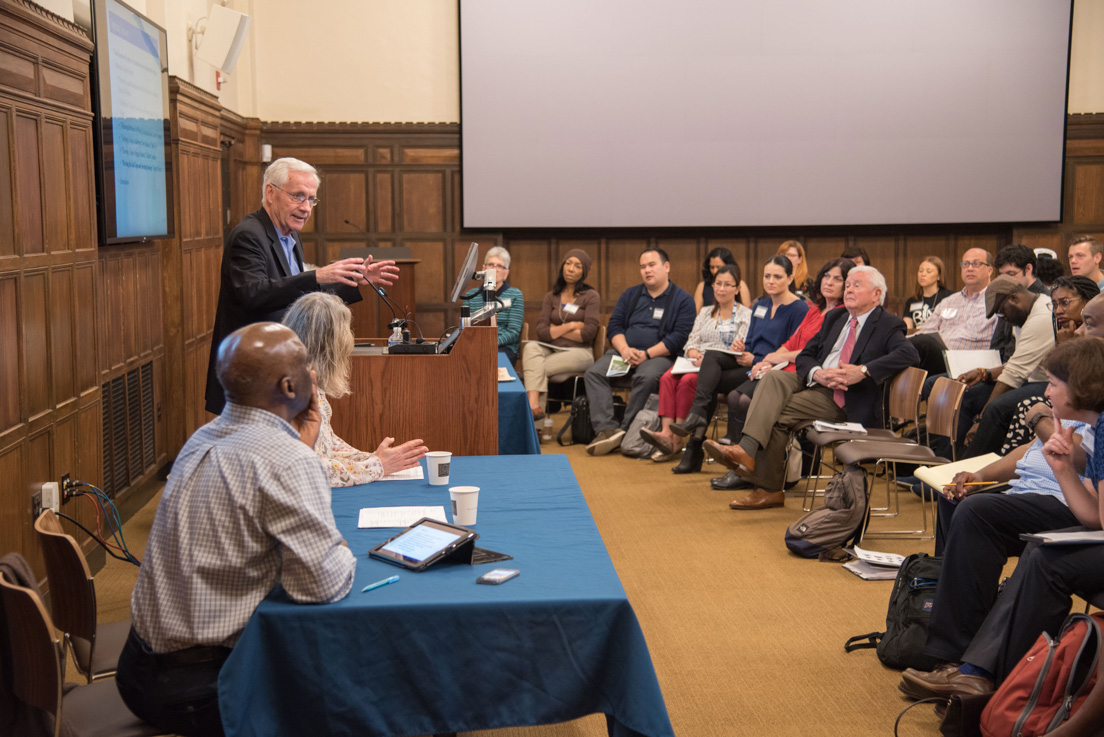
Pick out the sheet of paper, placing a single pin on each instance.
(959, 362)
(504, 374)
(684, 365)
(855, 427)
(618, 367)
(546, 345)
(410, 474)
(869, 572)
(1080, 537)
(874, 557)
(939, 476)
(397, 516)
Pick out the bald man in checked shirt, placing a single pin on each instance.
(246, 508)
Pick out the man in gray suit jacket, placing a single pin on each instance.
(262, 262)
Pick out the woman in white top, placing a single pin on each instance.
(716, 327)
(324, 324)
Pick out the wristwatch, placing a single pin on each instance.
(865, 371)
(1035, 421)
(646, 354)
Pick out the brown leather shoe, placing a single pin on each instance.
(760, 499)
(941, 683)
(730, 456)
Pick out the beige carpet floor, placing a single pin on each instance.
(746, 638)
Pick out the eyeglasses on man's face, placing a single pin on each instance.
(972, 264)
(300, 197)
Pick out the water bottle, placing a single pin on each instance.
(396, 337)
(546, 433)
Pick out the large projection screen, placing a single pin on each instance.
(647, 113)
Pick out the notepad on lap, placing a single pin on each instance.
(940, 476)
(959, 362)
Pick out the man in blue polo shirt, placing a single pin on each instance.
(647, 330)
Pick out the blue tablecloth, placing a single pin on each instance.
(438, 653)
(517, 434)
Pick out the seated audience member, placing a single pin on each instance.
(1070, 296)
(857, 254)
(930, 291)
(324, 324)
(978, 634)
(648, 328)
(569, 320)
(703, 293)
(827, 295)
(1017, 262)
(959, 324)
(1084, 255)
(795, 252)
(512, 315)
(247, 507)
(1048, 267)
(718, 326)
(992, 396)
(840, 376)
(774, 318)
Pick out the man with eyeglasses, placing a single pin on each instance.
(1085, 254)
(262, 263)
(959, 322)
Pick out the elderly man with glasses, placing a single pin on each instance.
(959, 322)
(262, 263)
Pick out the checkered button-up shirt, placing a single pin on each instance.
(247, 506)
(961, 322)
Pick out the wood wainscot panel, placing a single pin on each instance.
(449, 401)
(622, 267)
(9, 357)
(64, 86)
(7, 202)
(433, 283)
(36, 353)
(15, 512)
(17, 69)
(685, 262)
(423, 196)
(1088, 198)
(531, 273)
(28, 185)
(62, 354)
(321, 155)
(37, 468)
(818, 250)
(382, 216)
(82, 189)
(344, 198)
(414, 155)
(55, 185)
(382, 154)
(84, 276)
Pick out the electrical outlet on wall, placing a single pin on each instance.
(51, 496)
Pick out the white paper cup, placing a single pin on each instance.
(465, 504)
(437, 467)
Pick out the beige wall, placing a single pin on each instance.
(398, 60)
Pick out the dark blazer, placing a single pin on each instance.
(255, 286)
(881, 346)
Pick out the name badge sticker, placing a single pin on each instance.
(657, 313)
(916, 306)
(571, 309)
(760, 311)
(949, 313)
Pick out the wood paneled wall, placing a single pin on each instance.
(399, 185)
(49, 271)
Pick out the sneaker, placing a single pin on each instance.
(606, 442)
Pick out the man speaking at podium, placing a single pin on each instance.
(262, 262)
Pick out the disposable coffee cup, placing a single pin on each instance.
(465, 504)
(437, 465)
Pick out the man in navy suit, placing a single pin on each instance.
(840, 376)
(262, 263)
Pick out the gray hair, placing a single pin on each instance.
(324, 324)
(498, 252)
(877, 281)
(277, 173)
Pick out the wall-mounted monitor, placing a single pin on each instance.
(132, 135)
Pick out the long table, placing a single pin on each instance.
(517, 433)
(437, 653)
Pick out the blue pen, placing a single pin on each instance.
(378, 584)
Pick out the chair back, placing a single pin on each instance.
(904, 395)
(72, 591)
(599, 346)
(35, 651)
(944, 403)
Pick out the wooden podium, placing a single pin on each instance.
(450, 401)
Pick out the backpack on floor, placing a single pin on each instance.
(1049, 683)
(633, 445)
(910, 606)
(835, 524)
(578, 422)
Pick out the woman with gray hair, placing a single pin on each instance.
(324, 324)
(511, 317)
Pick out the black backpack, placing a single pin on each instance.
(582, 432)
(910, 606)
(839, 521)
